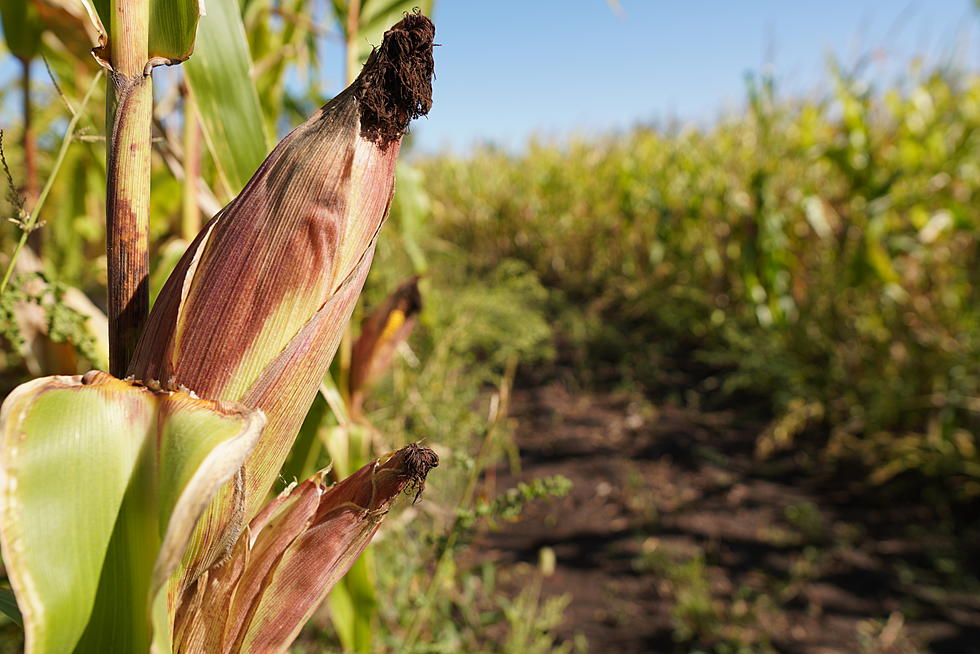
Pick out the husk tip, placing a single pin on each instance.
(419, 460)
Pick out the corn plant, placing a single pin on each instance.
(158, 534)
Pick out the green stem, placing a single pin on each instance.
(190, 223)
(129, 112)
(29, 139)
(31, 222)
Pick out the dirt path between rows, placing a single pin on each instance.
(675, 539)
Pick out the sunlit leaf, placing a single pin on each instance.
(353, 604)
(413, 210)
(353, 601)
(101, 483)
(219, 76)
(302, 460)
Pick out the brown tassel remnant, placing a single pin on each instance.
(396, 83)
(418, 461)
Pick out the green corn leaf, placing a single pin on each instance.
(413, 209)
(8, 606)
(302, 460)
(173, 25)
(169, 254)
(101, 484)
(353, 601)
(21, 28)
(219, 76)
(330, 392)
(343, 615)
(353, 605)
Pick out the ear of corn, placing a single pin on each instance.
(381, 333)
(256, 308)
(291, 555)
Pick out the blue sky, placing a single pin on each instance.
(512, 68)
(509, 69)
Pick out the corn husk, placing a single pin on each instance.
(382, 332)
(255, 309)
(293, 552)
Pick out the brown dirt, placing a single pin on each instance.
(794, 563)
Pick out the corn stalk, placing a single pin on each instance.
(129, 112)
(135, 36)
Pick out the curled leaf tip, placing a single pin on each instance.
(395, 85)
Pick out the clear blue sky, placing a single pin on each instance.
(512, 68)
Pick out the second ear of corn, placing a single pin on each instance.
(293, 553)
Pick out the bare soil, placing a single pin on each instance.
(792, 562)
